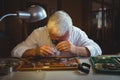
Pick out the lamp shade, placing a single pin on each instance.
(37, 13)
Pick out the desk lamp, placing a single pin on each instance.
(35, 13)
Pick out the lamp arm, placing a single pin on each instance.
(34, 13)
(6, 15)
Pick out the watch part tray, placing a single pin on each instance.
(106, 64)
(62, 63)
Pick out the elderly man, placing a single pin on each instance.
(58, 38)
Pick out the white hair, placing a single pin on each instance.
(61, 21)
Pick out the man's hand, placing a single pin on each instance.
(44, 51)
(65, 46)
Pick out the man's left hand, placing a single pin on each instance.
(65, 46)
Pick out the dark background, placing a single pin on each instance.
(14, 30)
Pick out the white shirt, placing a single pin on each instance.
(40, 36)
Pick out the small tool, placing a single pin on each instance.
(84, 67)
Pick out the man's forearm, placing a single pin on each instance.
(81, 51)
(29, 53)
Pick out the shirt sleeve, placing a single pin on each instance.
(29, 43)
(84, 41)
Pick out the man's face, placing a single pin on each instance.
(54, 34)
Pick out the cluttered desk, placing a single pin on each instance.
(75, 68)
